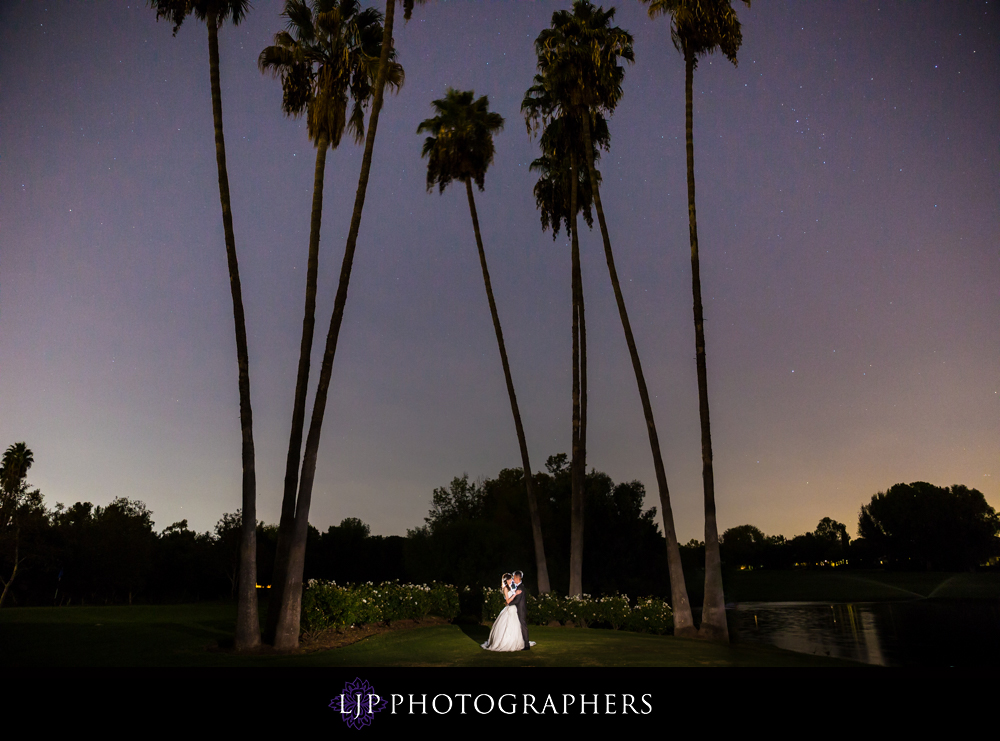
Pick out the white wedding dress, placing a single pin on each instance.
(506, 632)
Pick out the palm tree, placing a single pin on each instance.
(17, 459)
(552, 191)
(561, 193)
(287, 630)
(214, 13)
(580, 58)
(588, 49)
(558, 197)
(461, 148)
(329, 53)
(697, 28)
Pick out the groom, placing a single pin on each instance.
(520, 601)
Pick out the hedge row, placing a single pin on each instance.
(327, 605)
(646, 615)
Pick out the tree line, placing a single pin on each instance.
(87, 554)
(474, 530)
(914, 527)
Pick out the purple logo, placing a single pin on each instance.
(358, 703)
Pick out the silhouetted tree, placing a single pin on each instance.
(214, 13)
(580, 63)
(558, 194)
(20, 508)
(227, 539)
(328, 56)
(349, 553)
(624, 545)
(743, 546)
(931, 527)
(833, 539)
(461, 148)
(697, 28)
(287, 630)
(476, 531)
(182, 568)
(123, 542)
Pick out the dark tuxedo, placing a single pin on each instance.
(521, 603)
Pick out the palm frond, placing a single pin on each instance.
(579, 78)
(328, 56)
(222, 10)
(408, 8)
(461, 146)
(560, 139)
(699, 27)
(173, 10)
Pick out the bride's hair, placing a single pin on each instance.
(503, 580)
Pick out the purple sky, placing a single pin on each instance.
(847, 176)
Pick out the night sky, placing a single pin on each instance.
(847, 185)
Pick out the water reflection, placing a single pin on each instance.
(911, 633)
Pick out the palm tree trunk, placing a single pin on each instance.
(713, 616)
(582, 441)
(536, 521)
(6, 584)
(17, 562)
(583, 383)
(287, 632)
(286, 524)
(683, 621)
(577, 470)
(247, 623)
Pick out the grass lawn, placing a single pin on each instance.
(187, 636)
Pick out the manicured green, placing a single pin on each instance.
(138, 635)
(559, 647)
(189, 635)
(182, 635)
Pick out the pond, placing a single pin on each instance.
(923, 632)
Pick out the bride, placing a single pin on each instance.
(506, 632)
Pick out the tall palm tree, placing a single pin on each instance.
(214, 13)
(580, 58)
(461, 148)
(562, 193)
(287, 630)
(697, 28)
(559, 198)
(328, 54)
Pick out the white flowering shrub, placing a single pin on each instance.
(648, 615)
(582, 610)
(327, 605)
(545, 608)
(651, 615)
(614, 610)
(493, 603)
